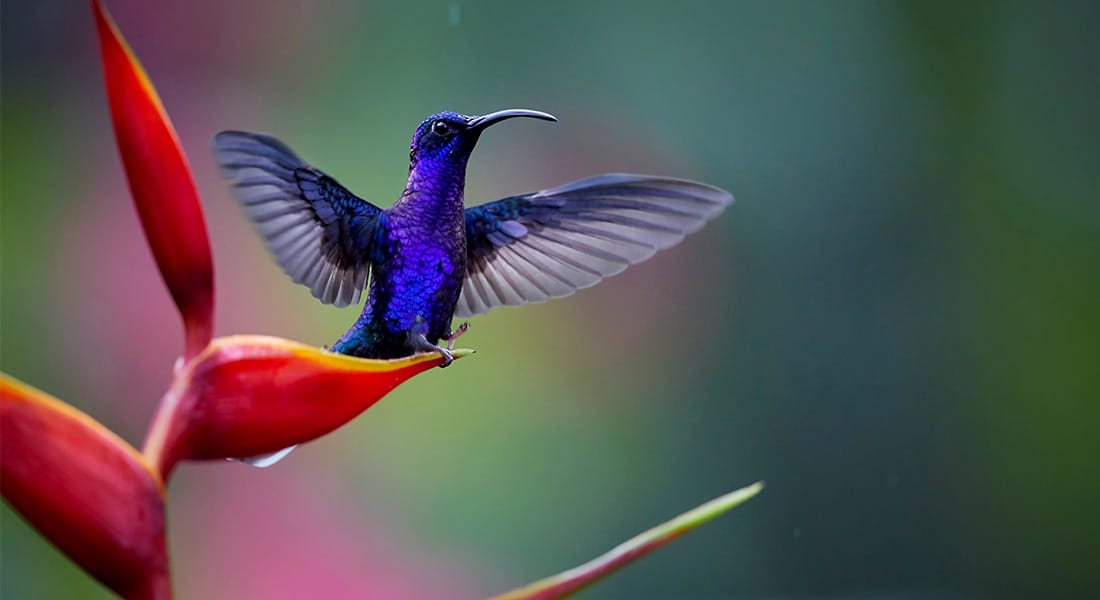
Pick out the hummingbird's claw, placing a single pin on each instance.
(448, 358)
(419, 343)
(451, 338)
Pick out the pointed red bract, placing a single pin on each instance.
(85, 489)
(161, 184)
(251, 395)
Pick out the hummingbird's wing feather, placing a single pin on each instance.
(319, 232)
(548, 244)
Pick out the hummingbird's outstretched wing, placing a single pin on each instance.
(319, 232)
(548, 244)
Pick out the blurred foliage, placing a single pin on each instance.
(894, 325)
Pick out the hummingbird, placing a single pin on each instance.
(430, 259)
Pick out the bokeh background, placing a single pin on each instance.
(895, 325)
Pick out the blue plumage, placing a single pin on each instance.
(429, 258)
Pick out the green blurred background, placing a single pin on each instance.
(895, 325)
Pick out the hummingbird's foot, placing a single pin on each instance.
(419, 343)
(452, 337)
(448, 358)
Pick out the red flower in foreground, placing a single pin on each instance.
(99, 500)
(249, 395)
(161, 184)
(85, 489)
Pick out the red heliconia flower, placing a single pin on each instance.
(161, 185)
(84, 489)
(100, 501)
(251, 395)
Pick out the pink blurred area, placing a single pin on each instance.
(208, 39)
(297, 531)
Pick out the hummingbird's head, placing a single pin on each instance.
(446, 139)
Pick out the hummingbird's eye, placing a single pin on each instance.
(441, 128)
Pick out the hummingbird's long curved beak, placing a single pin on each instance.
(479, 123)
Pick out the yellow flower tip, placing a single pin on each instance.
(265, 345)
